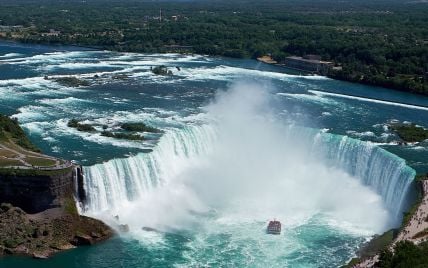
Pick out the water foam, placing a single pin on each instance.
(247, 165)
(322, 93)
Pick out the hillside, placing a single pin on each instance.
(17, 152)
(11, 132)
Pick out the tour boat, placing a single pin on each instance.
(274, 227)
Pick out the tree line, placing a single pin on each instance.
(381, 43)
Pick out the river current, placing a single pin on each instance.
(242, 142)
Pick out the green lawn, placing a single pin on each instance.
(40, 161)
(4, 162)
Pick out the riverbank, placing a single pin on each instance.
(414, 228)
(335, 74)
(43, 234)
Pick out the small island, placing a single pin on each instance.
(122, 136)
(127, 133)
(73, 123)
(161, 70)
(410, 132)
(70, 81)
(139, 127)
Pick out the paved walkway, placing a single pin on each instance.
(25, 165)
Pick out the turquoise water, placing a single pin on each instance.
(232, 235)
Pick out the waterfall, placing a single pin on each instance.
(116, 182)
(383, 171)
(122, 180)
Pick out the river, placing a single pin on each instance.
(242, 142)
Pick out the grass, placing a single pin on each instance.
(11, 131)
(139, 127)
(70, 206)
(4, 162)
(7, 153)
(410, 133)
(7, 157)
(42, 162)
(122, 136)
(19, 149)
(14, 172)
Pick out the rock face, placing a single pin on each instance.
(38, 214)
(37, 193)
(43, 234)
(80, 190)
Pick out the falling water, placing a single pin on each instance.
(123, 180)
(243, 145)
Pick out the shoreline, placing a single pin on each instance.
(268, 60)
(263, 59)
(415, 230)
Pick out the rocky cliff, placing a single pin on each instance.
(42, 234)
(34, 193)
(38, 214)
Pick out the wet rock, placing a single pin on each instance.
(5, 207)
(124, 228)
(41, 255)
(63, 246)
(18, 210)
(95, 235)
(149, 229)
(82, 240)
(37, 233)
(42, 235)
(8, 251)
(21, 250)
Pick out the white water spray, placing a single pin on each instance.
(247, 166)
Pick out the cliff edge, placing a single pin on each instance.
(38, 193)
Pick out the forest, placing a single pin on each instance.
(383, 43)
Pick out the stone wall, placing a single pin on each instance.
(34, 194)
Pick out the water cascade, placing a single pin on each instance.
(118, 181)
(122, 180)
(242, 150)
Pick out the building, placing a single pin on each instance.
(308, 63)
(9, 29)
(52, 32)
